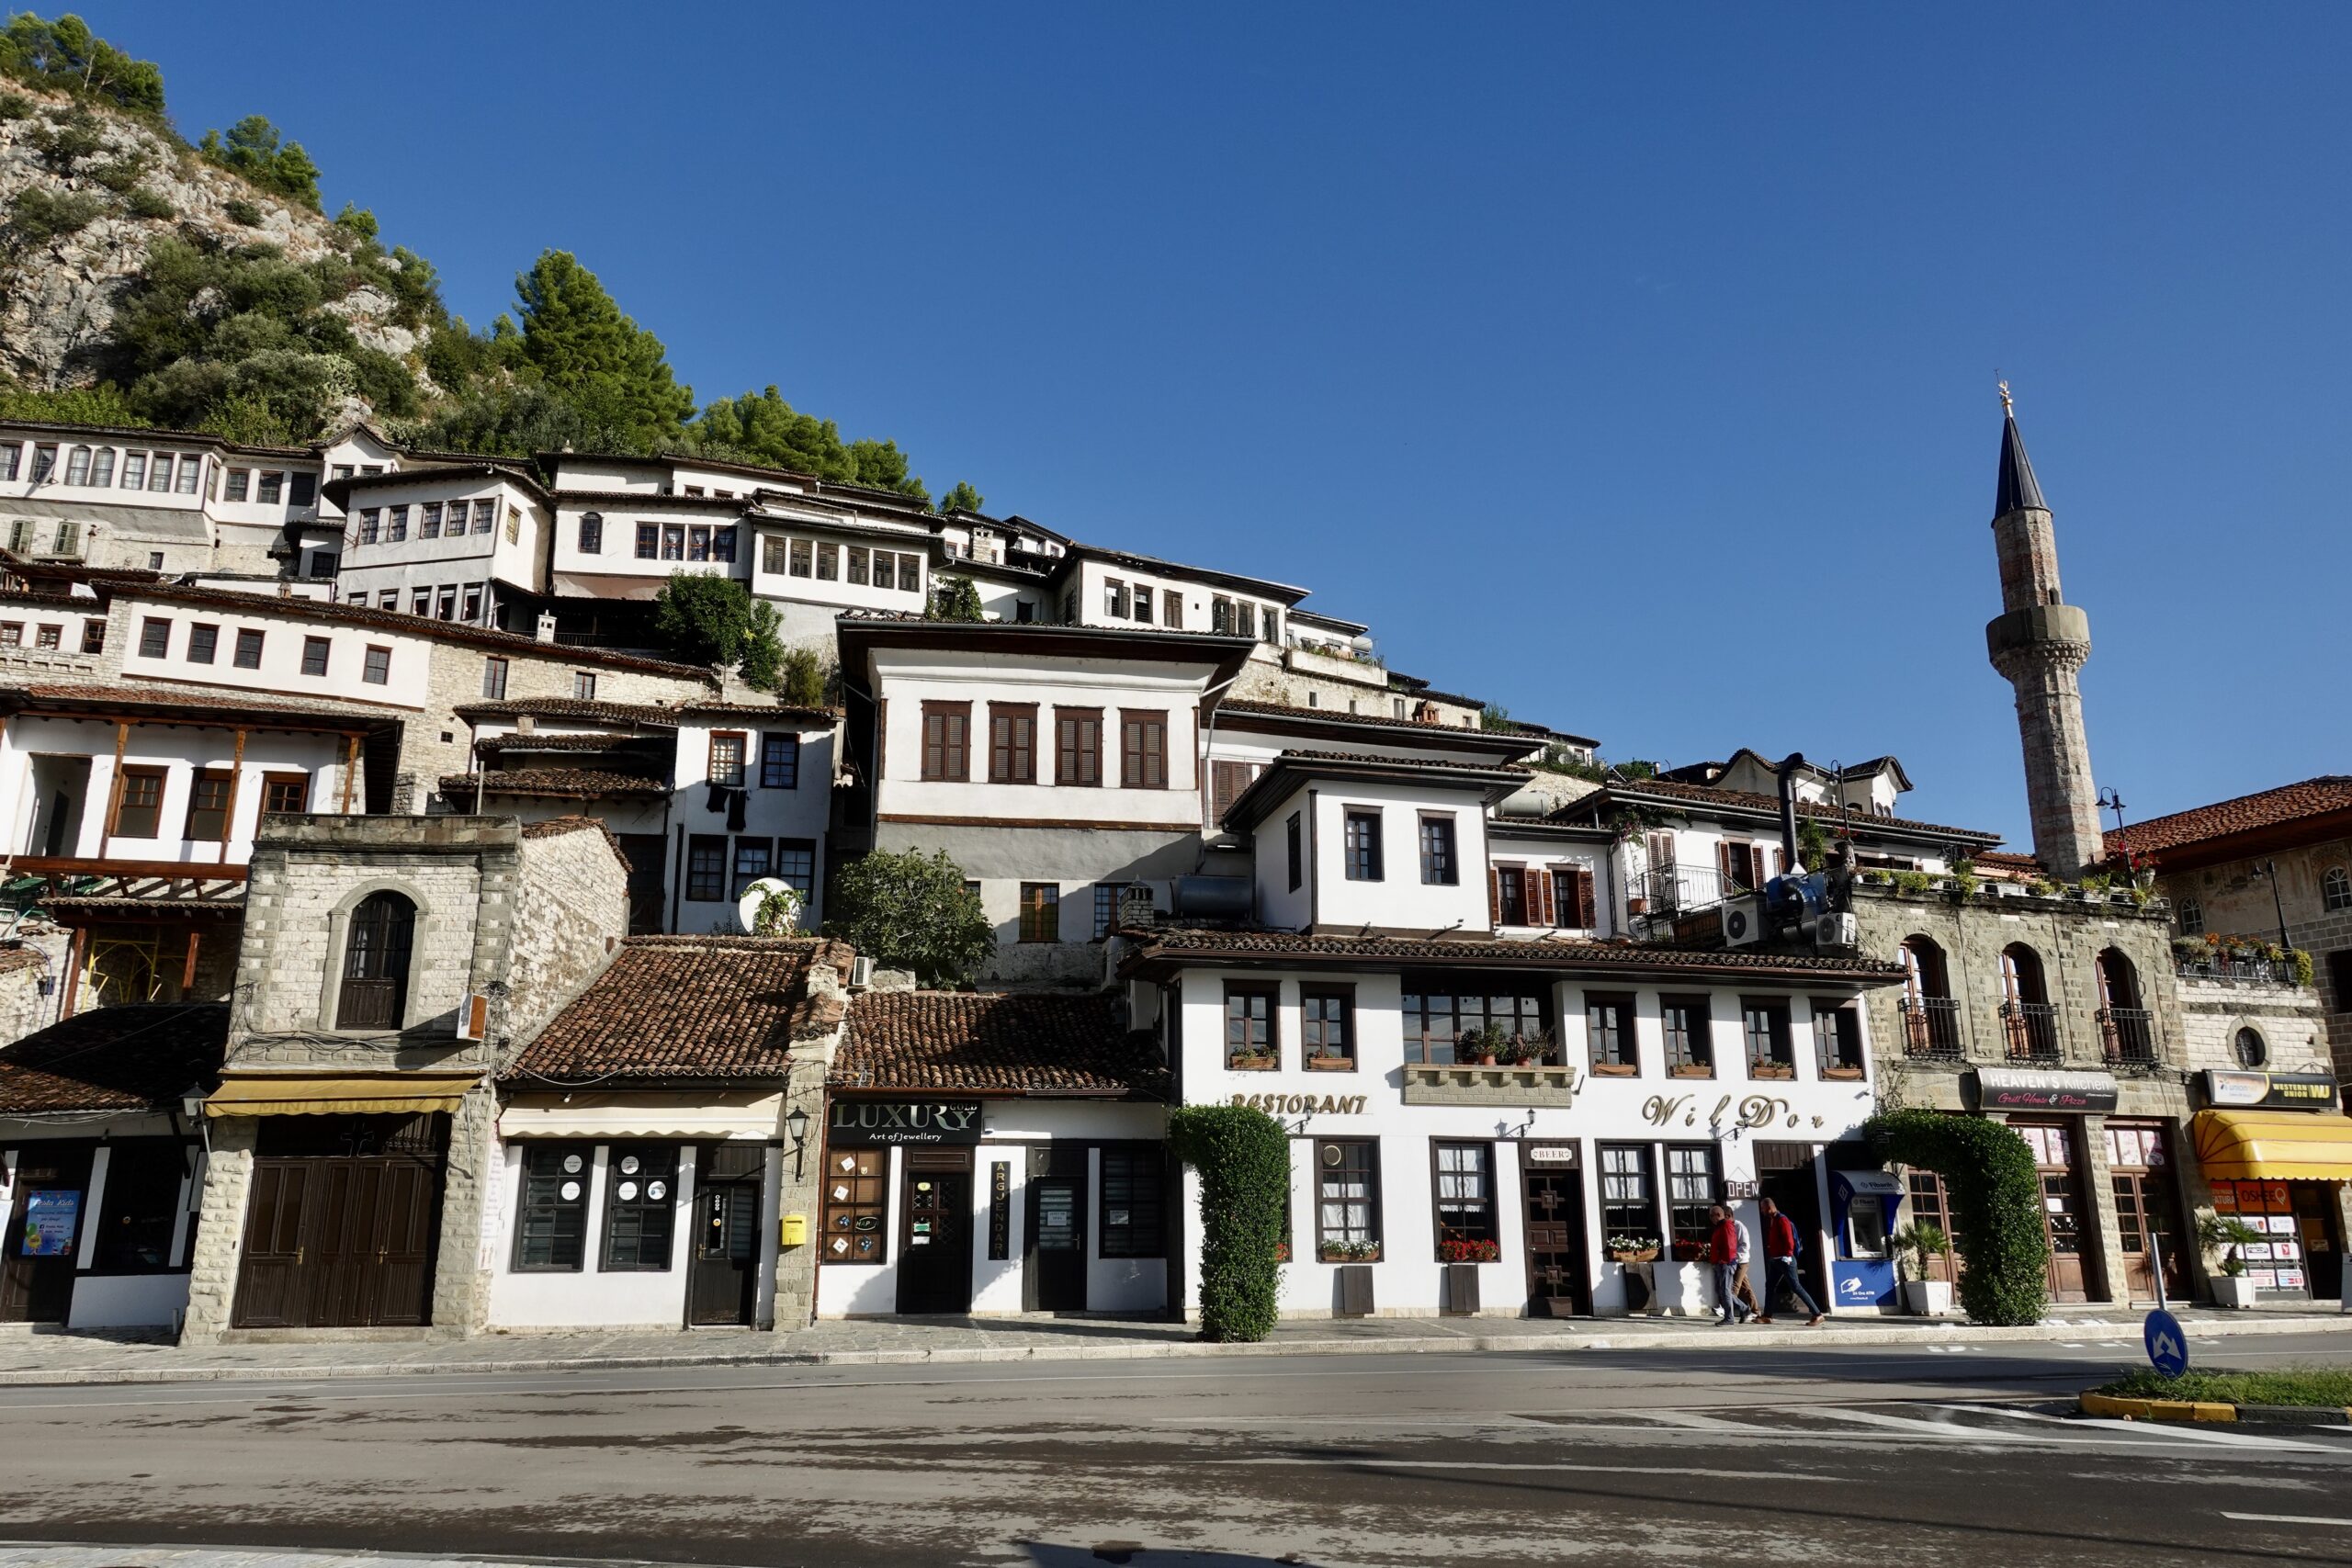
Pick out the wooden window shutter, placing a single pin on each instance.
(1494, 895)
(1586, 913)
(1540, 898)
(1756, 865)
(1724, 868)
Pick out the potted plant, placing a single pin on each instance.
(1321, 1062)
(1915, 1244)
(2228, 1233)
(1771, 1070)
(1349, 1252)
(1476, 1045)
(1632, 1249)
(1452, 1251)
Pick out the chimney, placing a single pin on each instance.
(546, 630)
(1789, 766)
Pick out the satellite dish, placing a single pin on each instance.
(747, 908)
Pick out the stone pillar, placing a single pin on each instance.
(460, 1284)
(800, 1190)
(219, 1229)
(771, 1210)
(2105, 1241)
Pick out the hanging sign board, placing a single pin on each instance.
(2269, 1091)
(2030, 1088)
(854, 1124)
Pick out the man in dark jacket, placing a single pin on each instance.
(1781, 1248)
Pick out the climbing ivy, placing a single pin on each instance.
(1996, 1206)
(1244, 1162)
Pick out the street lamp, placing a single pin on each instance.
(796, 1123)
(2268, 872)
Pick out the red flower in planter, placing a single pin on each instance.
(1468, 1251)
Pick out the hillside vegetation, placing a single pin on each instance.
(146, 280)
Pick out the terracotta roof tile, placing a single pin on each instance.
(2321, 796)
(131, 1057)
(557, 741)
(568, 784)
(1025, 1043)
(1446, 764)
(1207, 945)
(1708, 795)
(688, 1006)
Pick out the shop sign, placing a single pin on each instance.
(2029, 1088)
(2270, 1091)
(50, 1213)
(1551, 1154)
(865, 1122)
(1305, 1104)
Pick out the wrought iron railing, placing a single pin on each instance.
(2244, 970)
(1673, 889)
(2032, 1031)
(2128, 1034)
(1931, 1028)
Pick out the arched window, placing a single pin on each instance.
(2192, 917)
(2125, 1027)
(2030, 1022)
(375, 964)
(2253, 1052)
(2335, 888)
(77, 466)
(1930, 1016)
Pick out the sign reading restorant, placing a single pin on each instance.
(855, 1123)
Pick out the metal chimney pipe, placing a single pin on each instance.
(1789, 766)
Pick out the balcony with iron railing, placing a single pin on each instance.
(2129, 1036)
(1931, 1029)
(2240, 971)
(1678, 889)
(2032, 1029)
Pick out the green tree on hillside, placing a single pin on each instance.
(962, 498)
(252, 148)
(65, 55)
(761, 428)
(713, 620)
(614, 371)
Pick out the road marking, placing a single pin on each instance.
(1380, 1462)
(2196, 1435)
(1694, 1421)
(2285, 1519)
(1504, 1422)
(1902, 1424)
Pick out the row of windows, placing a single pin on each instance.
(1013, 745)
(204, 646)
(779, 759)
(899, 570)
(666, 541)
(160, 473)
(1041, 908)
(640, 1208)
(1121, 602)
(713, 877)
(48, 634)
(388, 524)
(458, 602)
(1454, 1026)
(267, 487)
(494, 671)
(1130, 1212)
(139, 803)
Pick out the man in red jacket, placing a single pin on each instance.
(1723, 1251)
(1781, 1248)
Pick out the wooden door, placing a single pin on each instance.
(2062, 1208)
(2147, 1213)
(935, 1233)
(2316, 1229)
(408, 1216)
(1931, 1205)
(1558, 1280)
(1053, 1261)
(273, 1278)
(1785, 1174)
(723, 1286)
(45, 1227)
(648, 895)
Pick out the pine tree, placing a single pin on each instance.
(613, 370)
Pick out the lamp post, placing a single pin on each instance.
(2277, 905)
(795, 1125)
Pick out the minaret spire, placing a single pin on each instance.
(2040, 643)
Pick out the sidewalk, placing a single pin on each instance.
(35, 1359)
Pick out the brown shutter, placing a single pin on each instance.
(1586, 913)
(1494, 895)
(1755, 860)
(1724, 868)
(1542, 897)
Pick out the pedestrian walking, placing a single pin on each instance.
(1782, 1245)
(1722, 1252)
(1741, 1288)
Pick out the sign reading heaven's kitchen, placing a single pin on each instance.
(855, 1123)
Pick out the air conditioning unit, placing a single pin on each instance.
(473, 1018)
(861, 972)
(1743, 922)
(1840, 932)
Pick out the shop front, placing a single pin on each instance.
(2048, 1109)
(2277, 1155)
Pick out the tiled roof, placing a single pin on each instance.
(2321, 796)
(813, 717)
(568, 707)
(193, 893)
(556, 826)
(1257, 946)
(1745, 800)
(569, 784)
(130, 1057)
(1449, 765)
(1030, 1042)
(2002, 860)
(227, 706)
(688, 1006)
(1384, 726)
(558, 741)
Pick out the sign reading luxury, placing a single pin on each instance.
(868, 1123)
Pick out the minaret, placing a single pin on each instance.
(2039, 641)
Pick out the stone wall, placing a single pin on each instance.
(573, 906)
(2233, 899)
(23, 1006)
(2290, 1019)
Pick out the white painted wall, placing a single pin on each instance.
(280, 674)
(1400, 899)
(590, 1298)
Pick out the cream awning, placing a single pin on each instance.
(717, 1114)
(305, 1094)
(2273, 1145)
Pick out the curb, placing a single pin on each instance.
(2202, 1410)
(1942, 1335)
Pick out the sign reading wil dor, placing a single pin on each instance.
(866, 1123)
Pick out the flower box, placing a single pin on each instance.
(1469, 1252)
(1770, 1070)
(1349, 1254)
(1645, 1255)
(1689, 1070)
(1249, 1063)
(1615, 1070)
(1842, 1075)
(1330, 1064)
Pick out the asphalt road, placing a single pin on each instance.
(1740, 1456)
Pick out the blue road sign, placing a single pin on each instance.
(2167, 1346)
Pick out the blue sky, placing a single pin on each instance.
(1632, 367)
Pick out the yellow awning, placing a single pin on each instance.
(302, 1094)
(2273, 1145)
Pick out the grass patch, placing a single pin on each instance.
(2329, 1387)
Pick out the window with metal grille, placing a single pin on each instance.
(1466, 1192)
(640, 1207)
(857, 1206)
(551, 1219)
(726, 759)
(375, 963)
(1133, 1203)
